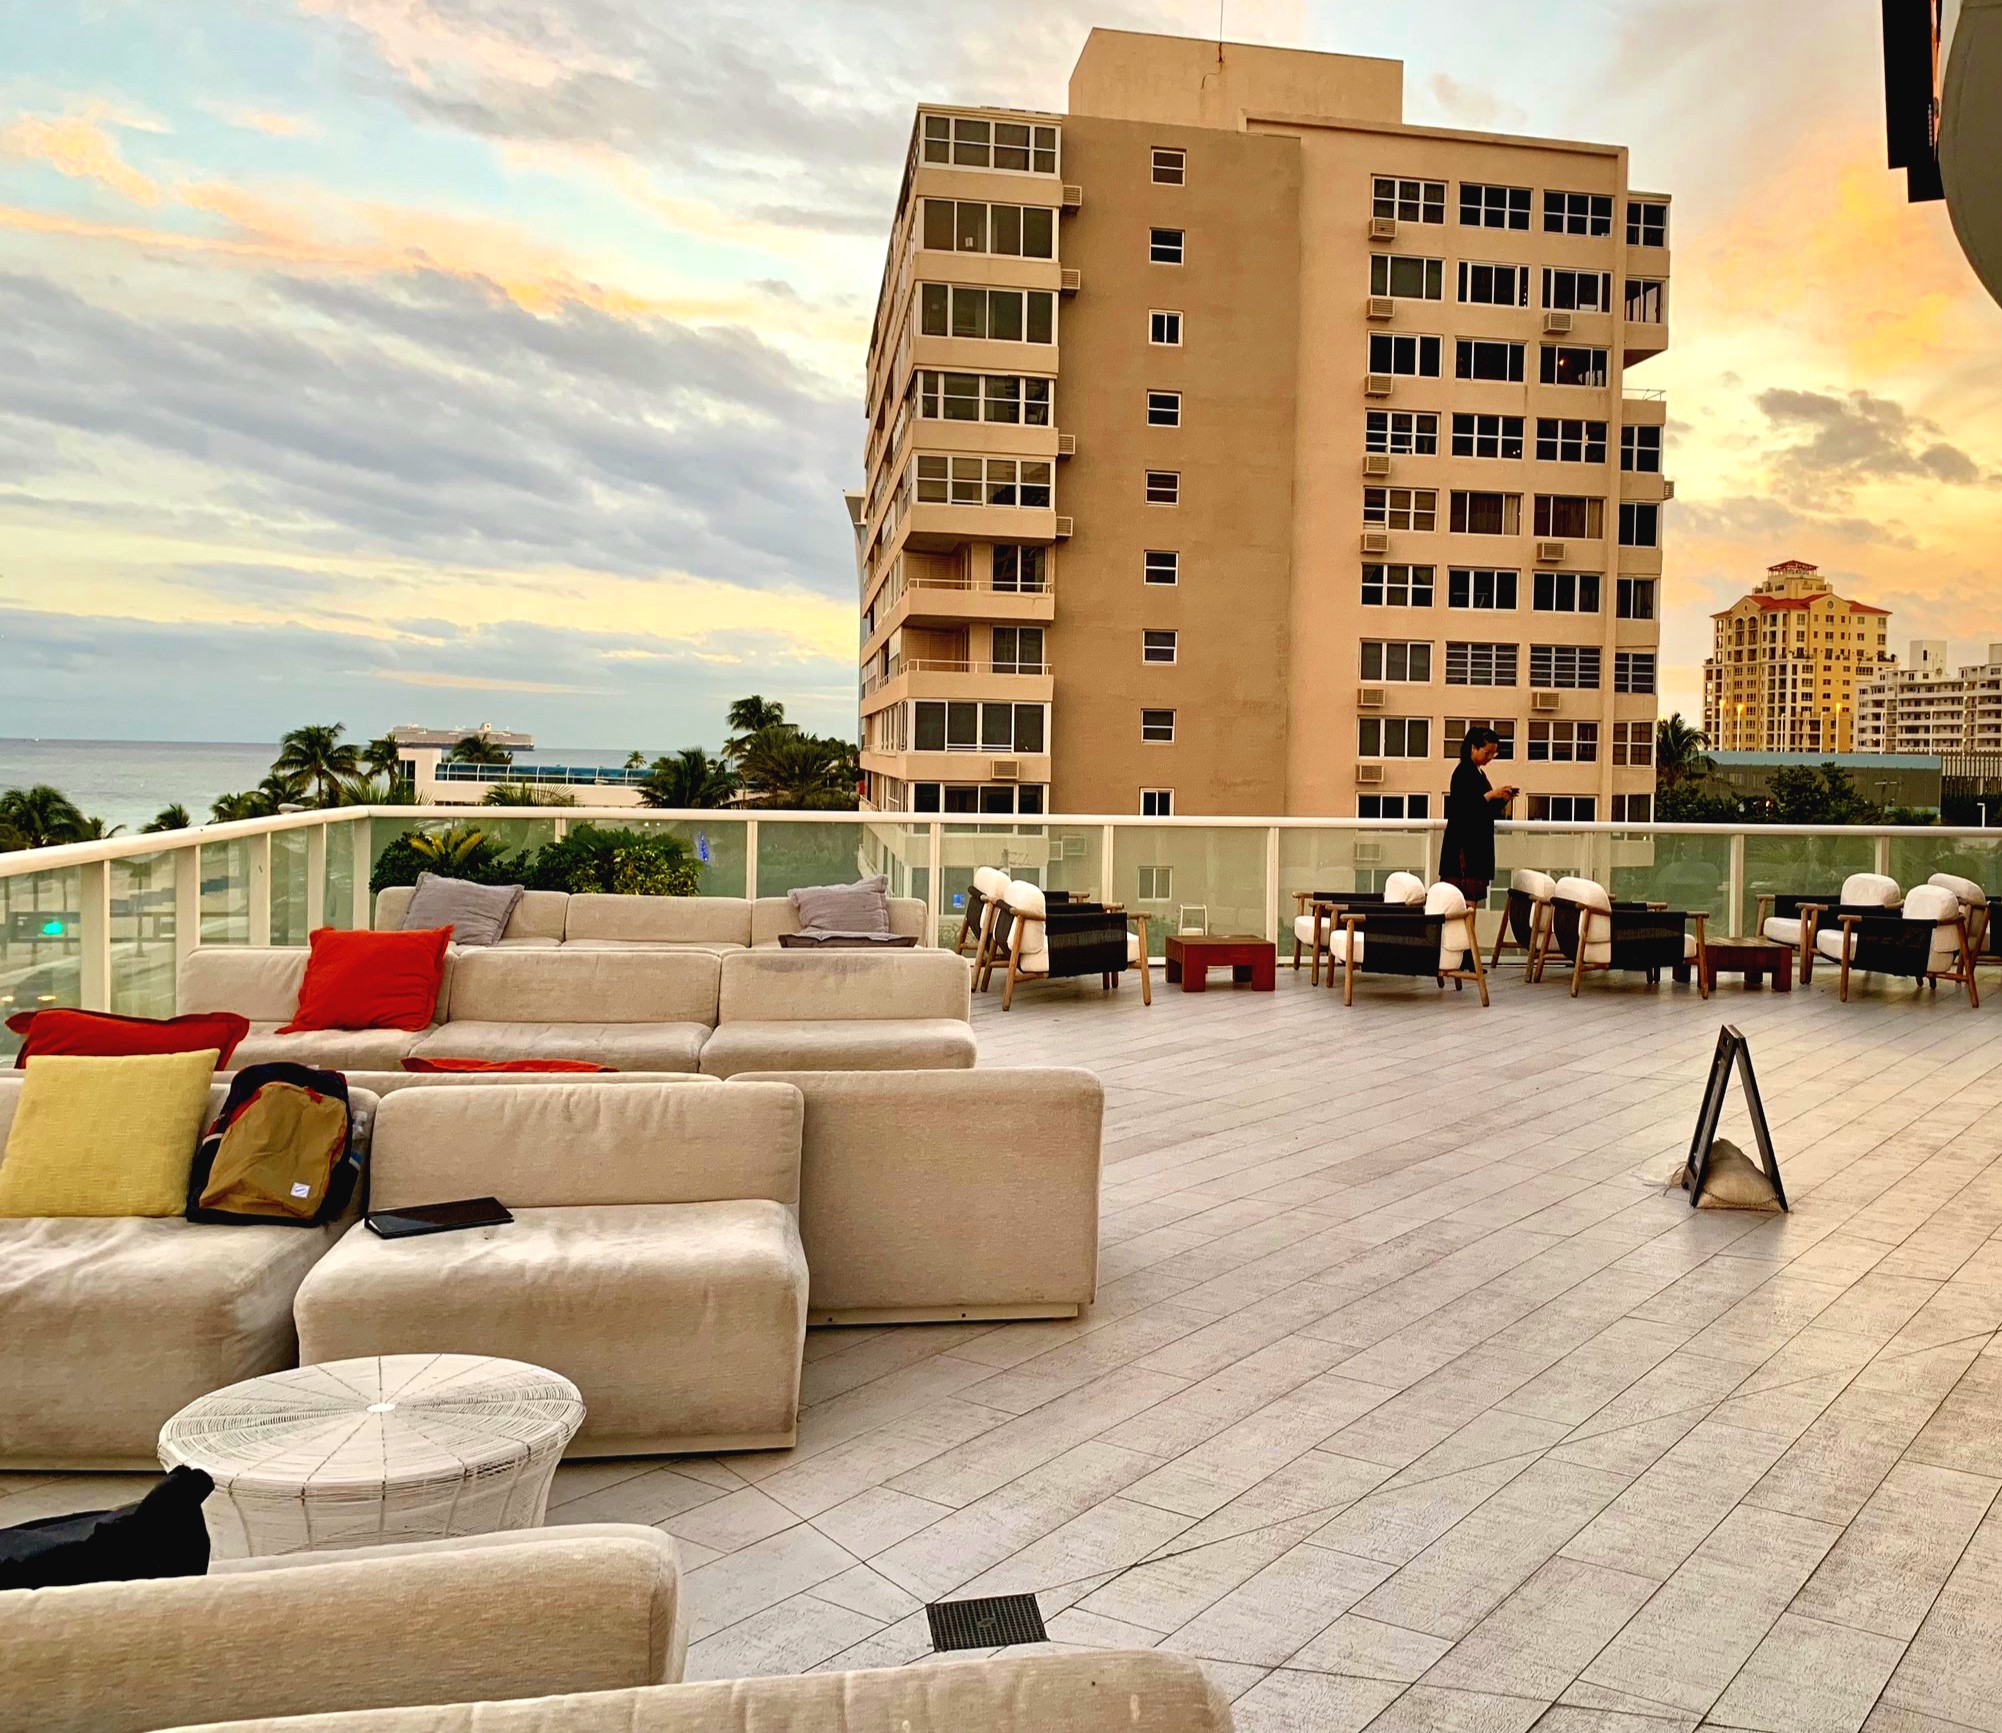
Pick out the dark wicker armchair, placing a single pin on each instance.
(1435, 939)
(1795, 917)
(1068, 940)
(1926, 942)
(1596, 935)
(1317, 915)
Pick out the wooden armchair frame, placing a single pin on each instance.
(1108, 979)
(1534, 917)
(1869, 945)
(1629, 915)
(1401, 923)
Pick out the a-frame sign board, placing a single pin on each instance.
(1732, 1048)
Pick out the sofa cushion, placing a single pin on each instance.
(771, 916)
(259, 981)
(336, 1049)
(370, 980)
(1538, 887)
(1861, 890)
(772, 986)
(1404, 888)
(714, 947)
(1966, 890)
(622, 1046)
(59, 1029)
(843, 1044)
(477, 914)
(389, 1082)
(682, 920)
(682, 1324)
(583, 986)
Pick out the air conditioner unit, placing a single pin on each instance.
(1369, 773)
(1376, 384)
(1668, 490)
(1557, 324)
(1368, 852)
(1382, 307)
(1070, 281)
(1375, 542)
(1073, 196)
(1369, 698)
(1067, 445)
(1063, 529)
(1006, 770)
(1549, 553)
(1383, 228)
(1376, 463)
(1545, 700)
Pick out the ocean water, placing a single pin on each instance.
(127, 781)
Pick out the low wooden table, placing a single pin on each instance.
(1752, 958)
(1250, 960)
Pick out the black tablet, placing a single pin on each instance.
(438, 1218)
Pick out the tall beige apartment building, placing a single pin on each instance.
(1233, 445)
(1922, 707)
(1782, 676)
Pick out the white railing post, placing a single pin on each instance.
(316, 877)
(362, 905)
(1272, 883)
(1881, 861)
(934, 894)
(258, 887)
(1108, 890)
(751, 859)
(187, 905)
(94, 934)
(1735, 884)
(559, 828)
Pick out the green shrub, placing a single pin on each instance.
(622, 862)
(459, 853)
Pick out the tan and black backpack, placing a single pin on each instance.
(283, 1151)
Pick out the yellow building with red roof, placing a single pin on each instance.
(1782, 675)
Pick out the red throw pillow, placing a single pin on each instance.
(491, 1065)
(102, 1034)
(364, 980)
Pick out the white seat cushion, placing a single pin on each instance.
(841, 1044)
(332, 1049)
(1304, 929)
(1783, 931)
(1338, 946)
(623, 1046)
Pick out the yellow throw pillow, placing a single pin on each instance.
(106, 1137)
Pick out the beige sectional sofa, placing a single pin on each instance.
(918, 1188)
(597, 922)
(594, 1608)
(109, 1325)
(842, 1011)
(654, 1258)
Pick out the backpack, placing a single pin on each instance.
(284, 1150)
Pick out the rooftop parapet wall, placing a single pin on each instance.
(1187, 81)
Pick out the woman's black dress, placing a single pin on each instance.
(1468, 852)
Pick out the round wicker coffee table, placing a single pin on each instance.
(368, 1452)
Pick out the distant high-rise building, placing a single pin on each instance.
(1782, 676)
(1923, 707)
(1233, 445)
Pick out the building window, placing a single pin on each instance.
(1578, 291)
(1164, 487)
(1561, 440)
(1403, 432)
(1640, 525)
(1157, 803)
(1633, 809)
(1640, 450)
(1647, 224)
(1479, 358)
(1481, 664)
(1409, 279)
(1409, 201)
(1400, 508)
(1486, 207)
(1564, 667)
(1635, 600)
(1486, 514)
(1417, 357)
(1566, 593)
(1487, 435)
(1164, 246)
(1479, 587)
(1494, 285)
(1157, 726)
(1563, 808)
(1164, 409)
(1003, 144)
(983, 481)
(971, 226)
(1019, 650)
(1565, 365)
(1456, 731)
(1171, 167)
(1006, 397)
(1577, 214)
(990, 799)
(1644, 300)
(1396, 660)
(1164, 329)
(1156, 884)
(1021, 570)
(1633, 671)
(1393, 737)
(1161, 566)
(1397, 586)
(1393, 806)
(1563, 742)
(1633, 743)
(964, 726)
(1002, 315)
(1157, 646)
(1570, 517)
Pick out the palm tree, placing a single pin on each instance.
(450, 849)
(634, 760)
(173, 817)
(43, 816)
(784, 768)
(228, 808)
(477, 749)
(1678, 752)
(281, 788)
(526, 794)
(691, 778)
(317, 755)
(748, 717)
(382, 757)
(96, 830)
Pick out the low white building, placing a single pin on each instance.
(1925, 707)
(436, 780)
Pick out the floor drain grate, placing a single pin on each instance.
(994, 1622)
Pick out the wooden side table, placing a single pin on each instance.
(1252, 961)
(1753, 958)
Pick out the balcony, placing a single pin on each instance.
(944, 602)
(956, 677)
(1644, 408)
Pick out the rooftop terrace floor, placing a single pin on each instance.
(1411, 1400)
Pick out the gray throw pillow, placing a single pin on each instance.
(856, 908)
(477, 914)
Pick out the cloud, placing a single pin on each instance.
(1839, 441)
(268, 121)
(1468, 105)
(78, 147)
(1760, 519)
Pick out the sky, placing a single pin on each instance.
(457, 360)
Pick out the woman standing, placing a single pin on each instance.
(1467, 856)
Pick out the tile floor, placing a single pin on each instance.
(1411, 1400)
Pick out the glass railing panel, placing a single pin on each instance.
(1192, 878)
(1344, 860)
(1685, 872)
(1801, 863)
(1914, 859)
(226, 893)
(40, 948)
(1059, 857)
(288, 887)
(142, 935)
(1544, 849)
(338, 902)
(801, 853)
(715, 845)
